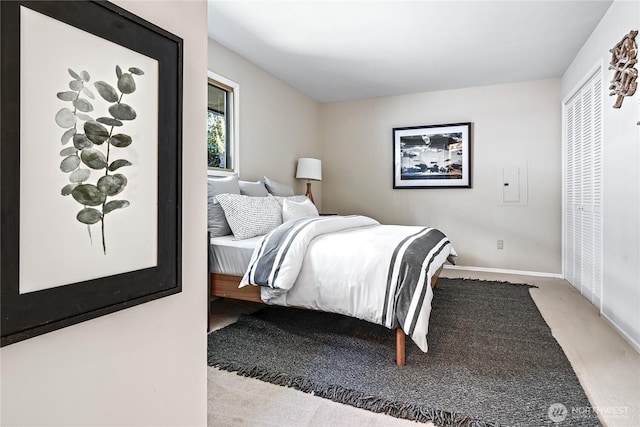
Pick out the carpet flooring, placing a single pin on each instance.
(492, 360)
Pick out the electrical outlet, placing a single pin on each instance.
(500, 244)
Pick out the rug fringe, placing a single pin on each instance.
(355, 398)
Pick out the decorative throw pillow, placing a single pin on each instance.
(256, 189)
(277, 188)
(217, 222)
(250, 216)
(281, 199)
(294, 210)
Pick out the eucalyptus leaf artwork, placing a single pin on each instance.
(90, 145)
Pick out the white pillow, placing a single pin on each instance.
(281, 199)
(294, 210)
(250, 216)
(277, 188)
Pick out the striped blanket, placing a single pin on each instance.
(352, 265)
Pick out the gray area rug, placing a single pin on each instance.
(492, 360)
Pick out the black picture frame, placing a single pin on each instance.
(432, 156)
(29, 314)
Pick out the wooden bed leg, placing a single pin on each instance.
(434, 279)
(399, 347)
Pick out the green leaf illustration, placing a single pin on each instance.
(115, 204)
(120, 140)
(67, 96)
(65, 118)
(67, 189)
(69, 164)
(78, 160)
(85, 117)
(76, 85)
(80, 141)
(111, 185)
(67, 135)
(96, 132)
(88, 194)
(89, 216)
(74, 74)
(109, 121)
(136, 71)
(117, 164)
(80, 175)
(122, 112)
(126, 84)
(88, 93)
(68, 151)
(83, 105)
(93, 158)
(106, 91)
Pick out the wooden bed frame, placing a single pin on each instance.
(226, 286)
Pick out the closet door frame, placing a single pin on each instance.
(598, 67)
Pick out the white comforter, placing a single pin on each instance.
(353, 266)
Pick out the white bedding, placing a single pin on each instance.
(352, 266)
(231, 256)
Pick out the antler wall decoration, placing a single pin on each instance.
(623, 60)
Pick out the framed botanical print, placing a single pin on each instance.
(90, 163)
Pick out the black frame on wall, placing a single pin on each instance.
(447, 149)
(25, 315)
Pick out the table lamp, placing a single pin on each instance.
(309, 169)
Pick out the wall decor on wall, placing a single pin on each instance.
(91, 127)
(432, 156)
(81, 152)
(623, 62)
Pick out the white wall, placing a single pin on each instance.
(512, 123)
(145, 365)
(621, 175)
(278, 124)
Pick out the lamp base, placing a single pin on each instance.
(308, 194)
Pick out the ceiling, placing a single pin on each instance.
(345, 50)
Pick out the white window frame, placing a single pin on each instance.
(235, 127)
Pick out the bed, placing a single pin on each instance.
(350, 265)
(227, 286)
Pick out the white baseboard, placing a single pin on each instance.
(633, 343)
(503, 271)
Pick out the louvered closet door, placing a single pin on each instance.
(583, 189)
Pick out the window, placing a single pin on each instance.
(222, 121)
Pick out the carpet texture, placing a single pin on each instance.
(492, 360)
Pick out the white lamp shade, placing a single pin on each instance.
(309, 169)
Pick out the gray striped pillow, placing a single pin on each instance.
(250, 216)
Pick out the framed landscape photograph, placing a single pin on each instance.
(432, 156)
(91, 127)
